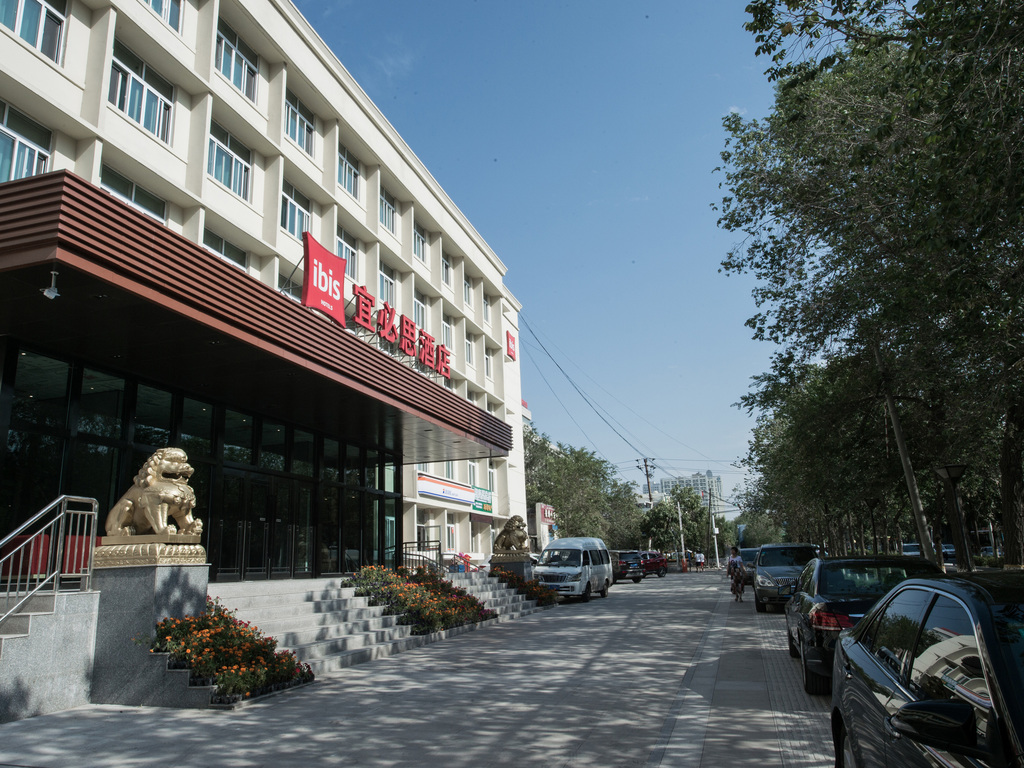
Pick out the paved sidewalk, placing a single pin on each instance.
(669, 672)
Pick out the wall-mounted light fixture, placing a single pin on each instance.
(51, 291)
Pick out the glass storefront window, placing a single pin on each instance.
(197, 428)
(390, 472)
(153, 416)
(31, 476)
(40, 392)
(352, 532)
(303, 453)
(372, 469)
(329, 538)
(274, 446)
(353, 466)
(101, 406)
(332, 461)
(237, 437)
(94, 474)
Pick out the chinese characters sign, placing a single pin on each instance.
(510, 345)
(322, 289)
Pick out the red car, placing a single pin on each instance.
(653, 563)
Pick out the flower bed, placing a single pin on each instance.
(424, 600)
(532, 589)
(220, 650)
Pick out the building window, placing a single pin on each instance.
(387, 210)
(446, 332)
(169, 11)
(348, 171)
(38, 23)
(490, 477)
(132, 193)
(419, 310)
(450, 539)
(237, 61)
(470, 343)
(24, 145)
(467, 293)
(387, 285)
(290, 285)
(226, 250)
(487, 308)
(348, 249)
(446, 269)
(488, 364)
(449, 470)
(419, 243)
(295, 208)
(299, 122)
(472, 473)
(230, 161)
(140, 93)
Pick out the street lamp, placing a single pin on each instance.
(951, 475)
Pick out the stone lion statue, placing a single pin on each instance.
(513, 537)
(159, 493)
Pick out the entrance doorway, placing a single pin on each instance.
(264, 529)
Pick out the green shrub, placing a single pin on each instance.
(233, 654)
(532, 589)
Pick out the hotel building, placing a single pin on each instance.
(211, 238)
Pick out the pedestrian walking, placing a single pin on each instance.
(735, 571)
(700, 561)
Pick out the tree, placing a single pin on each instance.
(581, 487)
(833, 213)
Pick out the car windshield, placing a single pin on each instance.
(560, 557)
(780, 556)
(631, 557)
(748, 555)
(868, 579)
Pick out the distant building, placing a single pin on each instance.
(703, 484)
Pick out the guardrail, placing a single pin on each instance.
(51, 552)
(422, 554)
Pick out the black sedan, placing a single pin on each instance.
(832, 594)
(932, 675)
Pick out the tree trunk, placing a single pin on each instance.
(1011, 474)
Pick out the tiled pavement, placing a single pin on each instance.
(669, 672)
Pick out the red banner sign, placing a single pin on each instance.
(510, 345)
(324, 285)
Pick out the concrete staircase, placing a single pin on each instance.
(329, 628)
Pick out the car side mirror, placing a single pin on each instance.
(948, 725)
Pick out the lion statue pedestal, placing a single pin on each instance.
(152, 523)
(512, 548)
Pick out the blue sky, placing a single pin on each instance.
(579, 137)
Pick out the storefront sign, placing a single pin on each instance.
(323, 290)
(444, 489)
(324, 283)
(547, 514)
(482, 502)
(510, 345)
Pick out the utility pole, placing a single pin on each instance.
(650, 497)
(714, 532)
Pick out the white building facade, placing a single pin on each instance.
(707, 485)
(234, 126)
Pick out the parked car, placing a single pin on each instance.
(948, 554)
(654, 563)
(575, 567)
(749, 555)
(912, 548)
(626, 565)
(778, 567)
(932, 675)
(833, 594)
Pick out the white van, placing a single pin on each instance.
(575, 567)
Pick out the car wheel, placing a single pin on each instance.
(585, 597)
(814, 684)
(662, 572)
(758, 605)
(636, 579)
(793, 650)
(604, 592)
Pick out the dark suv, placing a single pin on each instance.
(654, 563)
(626, 565)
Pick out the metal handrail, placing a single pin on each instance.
(425, 554)
(51, 552)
